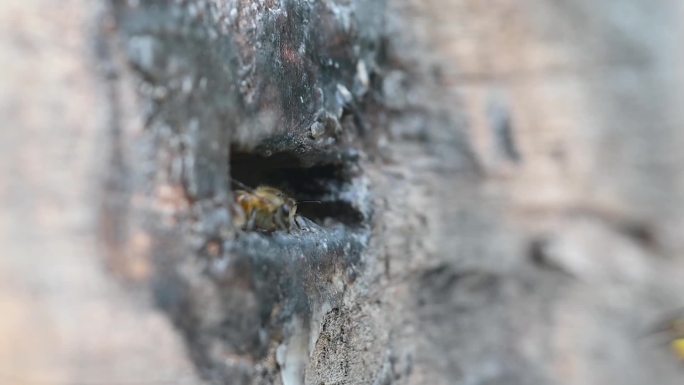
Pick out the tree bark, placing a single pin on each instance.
(487, 193)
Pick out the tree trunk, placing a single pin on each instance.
(486, 193)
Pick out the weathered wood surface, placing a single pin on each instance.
(504, 180)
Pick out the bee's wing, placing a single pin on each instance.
(253, 194)
(267, 190)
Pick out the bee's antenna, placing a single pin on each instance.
(240, 184)
(309, 202)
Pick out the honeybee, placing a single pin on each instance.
(676, 330)
(673, 329)
(264, 208)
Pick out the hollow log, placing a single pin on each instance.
(484, 193)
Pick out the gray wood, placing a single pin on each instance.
(502, 182)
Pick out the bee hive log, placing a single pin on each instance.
(341, 192)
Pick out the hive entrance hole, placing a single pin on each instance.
(317, 189)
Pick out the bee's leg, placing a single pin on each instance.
(298, 222)
(238, 216)
(251, 222)
(280, 224)
(279, 221)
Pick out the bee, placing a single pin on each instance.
(676, 330)
(264, 208)
(673, 329)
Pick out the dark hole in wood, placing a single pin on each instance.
(317, 189)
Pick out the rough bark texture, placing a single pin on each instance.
(492, 192)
